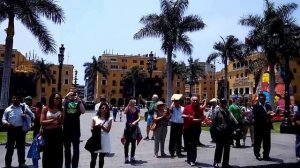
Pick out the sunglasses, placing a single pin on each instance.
(57, 98)
(103, 108)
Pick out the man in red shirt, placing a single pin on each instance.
(193, 116)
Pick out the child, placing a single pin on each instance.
(34, 150)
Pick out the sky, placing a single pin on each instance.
(94, 26)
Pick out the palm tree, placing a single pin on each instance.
(91, 70)
(42, 69)
(29, 12)
(178, 69)
(230, 49)
(171, 26)
(134, 75)
(194, 72)
(263, 28)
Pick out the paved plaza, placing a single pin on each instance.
(282, 151)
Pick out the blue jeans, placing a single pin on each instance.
(297, 145)
(72, 137)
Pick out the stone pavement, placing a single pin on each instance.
(282, 151)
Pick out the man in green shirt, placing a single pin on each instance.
(237, 113)
(151, 110)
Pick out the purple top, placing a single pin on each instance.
(132, 116)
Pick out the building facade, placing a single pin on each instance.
(23, 71)
(242, 84)
(119, 92)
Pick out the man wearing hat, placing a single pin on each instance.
(237, 113)
(176, 127)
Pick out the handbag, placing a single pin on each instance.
(152, 126)
(94, 142)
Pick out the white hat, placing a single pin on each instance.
(214, 100)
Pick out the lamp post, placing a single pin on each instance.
(290, 43)
(151, 66)
(192, 79)
(60, 61)
(75, 79)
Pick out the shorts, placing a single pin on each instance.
(149, 120)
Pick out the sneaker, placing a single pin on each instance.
(298, 159)
(132, 160)
(192, 164)
(126, 160)
(152, 138)
(147, 138)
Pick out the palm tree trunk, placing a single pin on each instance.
(272, 84)
(40, 95)
(226, 79)
(133, 94)
(169, 76)
(7, 63)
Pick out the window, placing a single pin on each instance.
(113, 91)
(114, 83)
(121, 83)
(54, 72)
(43, 80)
(114, 75)
(210, 77)
(103, 91)
(178, 84)
(43, 90)
(121, 75)
(295, 70)
(134, 61)
(230, 91)
(236, 91)
(241, 91)
(242, 75)
(246, 74)
(204, 83)
(247, 90)
(237, 75)
(178, 77)
(121, 91)
(66, 81)
(114, 66)
(295, 89)
(67, 72)
(142, 62)
(204, 88)
(13, 62)
(53, 90)
(103, 82)
(210, 88)
(53, 81)
(14, 55)
(2, 55)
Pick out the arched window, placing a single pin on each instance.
(234, 65)
(238, 65)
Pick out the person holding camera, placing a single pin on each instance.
(73, 109)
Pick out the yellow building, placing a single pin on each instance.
(242, 84)
(117, 65)
(22, 66)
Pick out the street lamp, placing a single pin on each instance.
(192, 79)
(75, 79)
(60, 61)
(290, 43)
(151, 66)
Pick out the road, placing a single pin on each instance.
(282, 151)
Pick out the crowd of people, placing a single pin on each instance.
(58, 123)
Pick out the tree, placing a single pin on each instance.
(42, 69)
(171, 26)
(29, 12)
(194, 72)
(91, 70)
(134, 75)
(263, 28)
(178, 69)
(230, 49)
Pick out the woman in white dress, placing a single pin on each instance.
(104, 121)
